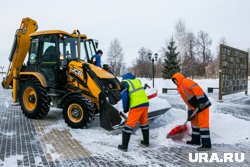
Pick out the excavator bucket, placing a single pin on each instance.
(109, 117)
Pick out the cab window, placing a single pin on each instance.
(33, 54)
(68, 48)
(49, 51)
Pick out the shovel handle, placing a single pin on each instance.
(123, 115)
(195, 112)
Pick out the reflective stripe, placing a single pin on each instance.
(127, 131)
(204, 129)
(195, 127)
(208, 102)
(135, 90)
(126, 126)
(201, 96)
(144, 125)
(205, 136)
(133, 86)
(196, 133)
(144, 128)
(124, 90)
(187, 94)
(192, 86)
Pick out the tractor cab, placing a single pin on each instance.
(51, 51)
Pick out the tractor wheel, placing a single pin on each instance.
(78, 111)
(34, 99)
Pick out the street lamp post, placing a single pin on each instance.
(153, 59)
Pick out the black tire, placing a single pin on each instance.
(41, 106)
(81, 104)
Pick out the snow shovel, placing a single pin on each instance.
(153, 95)
(179, 131)
(122, 123)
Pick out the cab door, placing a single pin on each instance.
(49, 59)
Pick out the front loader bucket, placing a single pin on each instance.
(109, 117)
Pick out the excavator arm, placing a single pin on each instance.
(18, 54)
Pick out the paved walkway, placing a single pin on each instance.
(26, 142)
(31, 145)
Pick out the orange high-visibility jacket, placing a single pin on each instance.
(190, 92)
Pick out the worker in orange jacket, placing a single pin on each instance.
(194, 97)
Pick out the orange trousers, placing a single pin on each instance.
(137, 115)
(201, 119)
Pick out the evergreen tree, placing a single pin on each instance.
(171, 63)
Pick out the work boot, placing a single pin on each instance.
(125, 140)
(191, 142)
(145, 134)
(205, 140)
(195, 136)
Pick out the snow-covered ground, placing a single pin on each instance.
(225, 127)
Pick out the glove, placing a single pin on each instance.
(190, 117)
(146, 86)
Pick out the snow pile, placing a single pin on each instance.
(158, 104)
(224, 128)
(167, 122)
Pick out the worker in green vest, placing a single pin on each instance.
(134, 98)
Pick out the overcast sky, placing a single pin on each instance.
(135, 23)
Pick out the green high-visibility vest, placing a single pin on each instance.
(137, 94)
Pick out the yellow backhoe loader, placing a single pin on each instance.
(53, 68)
(56, 71)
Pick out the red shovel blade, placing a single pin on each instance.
(177, 132)
(152, 95)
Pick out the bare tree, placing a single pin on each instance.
(142, 66)
(190, 61)
(180, 34)
(116, 55)
(212, 69)
(223, 40)
(159, 67)
(204, 43)
(143, 63)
